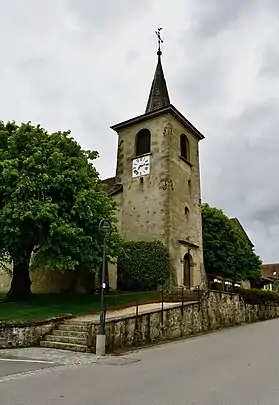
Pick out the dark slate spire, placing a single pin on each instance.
(158, 96)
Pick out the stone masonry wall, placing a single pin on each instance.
(24, 335)
(185, 178)
(217, 311)
(42, 281)
(5, 281)
(143, 203)
(154, 207)
(55, 282)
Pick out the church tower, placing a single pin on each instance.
(157, 183)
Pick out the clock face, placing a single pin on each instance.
(141, 166)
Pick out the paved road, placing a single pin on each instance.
(10, 366)
(236, 366)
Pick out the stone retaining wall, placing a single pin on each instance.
(25, 334)
(216, 311)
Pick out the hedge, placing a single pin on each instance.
(142, 266)
(258, 297)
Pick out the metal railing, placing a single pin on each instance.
(163, 297)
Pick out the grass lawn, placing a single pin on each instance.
(42, 306)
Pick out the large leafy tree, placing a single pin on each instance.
(51, 201)
(226, 248)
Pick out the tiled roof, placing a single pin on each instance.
(112, 186)
(159, 96)
(110, 182)
(270, 270)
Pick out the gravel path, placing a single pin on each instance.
(130, 311)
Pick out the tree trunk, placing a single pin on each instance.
(20, 288)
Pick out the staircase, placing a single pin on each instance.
(73, 335)
(70, 335)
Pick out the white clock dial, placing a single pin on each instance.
(141, 166)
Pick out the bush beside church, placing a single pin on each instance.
(142, 266)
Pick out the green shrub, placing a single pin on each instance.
(255, 296)
(276, 286)
(142, 266)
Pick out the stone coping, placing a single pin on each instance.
(110, 319)
(23, 324)
(82, 318)
(223, 292)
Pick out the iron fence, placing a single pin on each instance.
(134, 303)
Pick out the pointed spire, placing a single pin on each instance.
(158, 96)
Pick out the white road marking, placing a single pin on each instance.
(28, 361)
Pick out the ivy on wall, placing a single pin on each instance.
(143, 266)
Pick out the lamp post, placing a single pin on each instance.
(105, 229)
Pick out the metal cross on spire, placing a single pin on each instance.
(158, 96)
(160, 41)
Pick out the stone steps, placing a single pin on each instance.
(73, 326)
(66, 339)
(72, 334)
(69, 335)
(64, 346)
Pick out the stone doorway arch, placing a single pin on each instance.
(187, 271)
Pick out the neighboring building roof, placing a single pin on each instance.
(237, 222)
(112, 187)
(110, 182)
(270, 270)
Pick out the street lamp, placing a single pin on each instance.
(105, 229)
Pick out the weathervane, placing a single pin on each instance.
(160, 41)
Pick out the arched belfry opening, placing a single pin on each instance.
(187, 273)
(143, 140)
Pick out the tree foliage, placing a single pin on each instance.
(143, 266)
(51, 201)
(226, 249)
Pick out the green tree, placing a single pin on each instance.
(51, 201)
(226, 249)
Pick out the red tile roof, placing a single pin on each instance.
(268, 270)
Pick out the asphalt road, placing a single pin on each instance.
(235, 366)
(10, 366)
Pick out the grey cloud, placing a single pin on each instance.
(79, 65)
(240, 154)
(270, 61)
(107, 14)
(214, 15)
(248, 185)
(203, 85)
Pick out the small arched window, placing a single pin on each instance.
(143, 142)
(184, 147)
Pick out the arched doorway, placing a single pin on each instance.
(187, 270)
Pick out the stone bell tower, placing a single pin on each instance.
(157, 183)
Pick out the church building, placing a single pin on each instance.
(157, 182)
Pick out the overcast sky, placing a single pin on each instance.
(85, 65)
